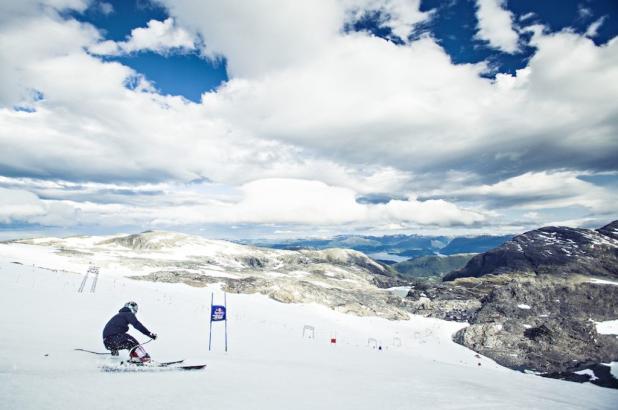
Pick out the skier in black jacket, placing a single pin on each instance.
(115, 336)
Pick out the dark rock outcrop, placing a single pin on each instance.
(545, 324)
(550, 250)
(532, 303)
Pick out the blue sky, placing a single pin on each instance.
(242, 119)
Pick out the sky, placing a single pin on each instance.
(284, 119)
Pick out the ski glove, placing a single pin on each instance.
(153, 336)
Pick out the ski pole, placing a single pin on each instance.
(139, 345)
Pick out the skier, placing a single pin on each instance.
(115, 336)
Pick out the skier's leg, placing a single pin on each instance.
(136, 352)
(111, 344)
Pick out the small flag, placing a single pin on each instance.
(217, 313)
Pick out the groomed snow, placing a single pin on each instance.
(269, 364)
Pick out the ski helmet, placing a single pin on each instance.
(132, 306)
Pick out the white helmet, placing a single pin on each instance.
(132, 306)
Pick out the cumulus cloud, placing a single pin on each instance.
(421, 117)
(312, 120)
(495, 25)
(159, 36)
(260, 36)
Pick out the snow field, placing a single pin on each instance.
(269, 364)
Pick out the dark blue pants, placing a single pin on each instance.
(120, 342)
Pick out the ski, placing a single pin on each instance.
(127, 366)
(164, 364)
(150, 364)
(193, 367)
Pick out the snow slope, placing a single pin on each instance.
(269, 364)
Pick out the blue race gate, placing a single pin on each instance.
(218, 313)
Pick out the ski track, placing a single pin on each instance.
(269, 365)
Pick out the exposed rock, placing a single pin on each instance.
(545, 324)
(550, 250)
(537, 301)
(344, 279)
(541, 323)
(361, 302)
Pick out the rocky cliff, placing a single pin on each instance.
(534, 302)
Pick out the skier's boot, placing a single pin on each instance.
(114, 353)
(139, 355)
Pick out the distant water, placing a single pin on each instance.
(387, 256)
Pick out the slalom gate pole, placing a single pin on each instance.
(225, 304)
(212, 298)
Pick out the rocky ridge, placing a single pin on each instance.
(533, 303)
(343, 279)
(550, 250)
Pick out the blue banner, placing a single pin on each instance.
(217, 313)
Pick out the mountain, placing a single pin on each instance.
(397, 248)
(344, 279)
(433, 265)
(551, 250)
(475, 244)
(540, 302)
(521, 320)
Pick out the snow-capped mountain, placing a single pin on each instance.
(550, 250)
(343, 279)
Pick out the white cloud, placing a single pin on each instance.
(538, 190)
(322, 116)
(106, 8)
(27, 43)
(593, 28)
(399, 15)
(265, 201)
(19, 205)
(583, 11)
(11, 10)
(495, 25)
(260, 36)
(369, 100)
(159, 36)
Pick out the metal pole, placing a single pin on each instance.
(212, 297)
(225, 304)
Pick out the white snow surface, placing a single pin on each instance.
(269, 364)
(603, 282)
(608, 327)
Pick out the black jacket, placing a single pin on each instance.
(120, 324)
